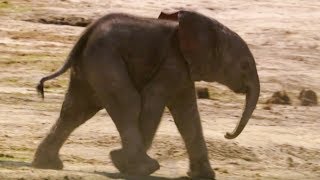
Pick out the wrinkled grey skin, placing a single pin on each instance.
(133, 67)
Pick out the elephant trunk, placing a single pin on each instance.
(252, 96)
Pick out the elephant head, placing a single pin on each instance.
(216, 53)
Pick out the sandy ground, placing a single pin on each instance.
(282, 142)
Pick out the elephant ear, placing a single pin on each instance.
(197, 41)
(168, 16)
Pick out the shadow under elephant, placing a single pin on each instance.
(112, 175)
(127, 177)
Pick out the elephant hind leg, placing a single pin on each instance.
(78, 106)
(109, 78)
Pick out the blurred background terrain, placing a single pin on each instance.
(280, 141)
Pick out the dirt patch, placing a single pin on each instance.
(69, 20)
(218, 150)
(41, 36)
(5, 156)
(222, 150)
(300, 157)
(4, 4)
(279, 97)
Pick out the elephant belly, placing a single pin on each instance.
(142, 70)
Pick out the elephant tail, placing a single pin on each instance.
(63, 69)
(73, 55)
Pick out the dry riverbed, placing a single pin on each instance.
(280, 142)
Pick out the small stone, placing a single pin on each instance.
(203, 93)
(308, 97)
(268, 107)
(290, 162)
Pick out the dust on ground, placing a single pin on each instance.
(280, 142)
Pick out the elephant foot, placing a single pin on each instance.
(139, 166)
(201, 170)
(46, 161)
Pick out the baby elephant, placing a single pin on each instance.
(134, 67)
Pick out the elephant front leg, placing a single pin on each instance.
(153, 103)
(186, 117)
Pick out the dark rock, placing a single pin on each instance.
(308, 97)
(202, 93)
